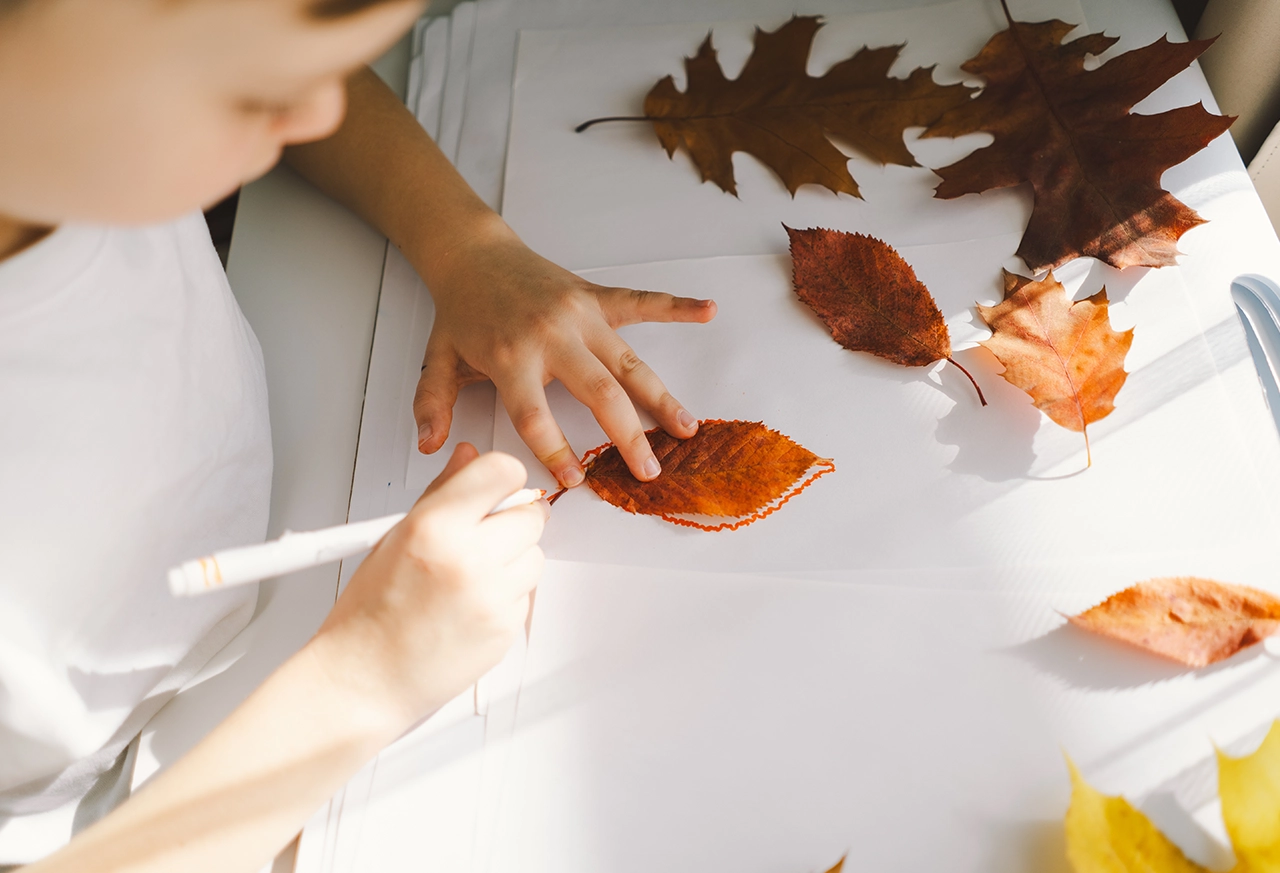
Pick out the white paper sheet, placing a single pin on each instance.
(925, 476)
(483, 147)
(610, 195)
(679, 721)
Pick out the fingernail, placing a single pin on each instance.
(652, 469)
(686, 420)
(424, 434)
(572, 477)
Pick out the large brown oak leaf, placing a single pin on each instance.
(1193, 621)
(775, 111)
(870, 298)
(740, 470)
(1064, 354)
(1094, 167)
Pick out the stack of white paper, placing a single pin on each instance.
(882, 667)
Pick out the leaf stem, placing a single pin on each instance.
(1008, 16)
(976, 387)
(554, 497)
(581, 127)
(1088, 453)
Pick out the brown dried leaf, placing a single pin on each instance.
(1193, 621)
(870, 298)
(1094, 167)
(728, 469)
(781, 115)
(1064, 354)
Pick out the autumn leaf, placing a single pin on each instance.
(729, 469)
(1250, 791)
(1193, 621)
(1108, 835)
(1094, 167)
(775, 111)
(1064, 354)
(870, 298)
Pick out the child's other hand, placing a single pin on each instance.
(505, 314)
(441, 599)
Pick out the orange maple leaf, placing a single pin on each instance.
(1064, 354)
(1094, 167)
(778, 113)
(1193, 621)
(870, 298)
(728, 469)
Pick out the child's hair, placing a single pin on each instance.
(339, 8)
(324, 9)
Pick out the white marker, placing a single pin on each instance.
(298, 551)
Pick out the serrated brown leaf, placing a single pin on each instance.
(870, 298)
(1064, 354)
(775, 111)
(741, 470)
(1094, 167)
(1192, 621)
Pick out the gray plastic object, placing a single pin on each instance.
(1258, 301)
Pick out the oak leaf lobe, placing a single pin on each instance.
(775, 111)
(1094, 166)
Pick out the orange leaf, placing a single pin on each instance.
(728, 469)
(1192, 621)
(781, 115)
(1064, 354)
(870, 298)
(1094, 167)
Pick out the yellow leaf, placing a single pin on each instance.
(1250, 792)
(1108, 835)
(839, 865)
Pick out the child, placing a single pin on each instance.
(133, 429)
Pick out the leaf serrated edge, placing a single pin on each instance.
(822, 467)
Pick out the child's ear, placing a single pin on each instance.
(315, 117)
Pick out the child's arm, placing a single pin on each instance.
(434, 606)
(502, 312)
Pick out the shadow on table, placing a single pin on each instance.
(1086, 660)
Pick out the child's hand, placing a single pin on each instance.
(444, 595)
(504, 313)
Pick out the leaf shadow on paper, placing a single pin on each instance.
(1025, 845)
(1084, 660)
(993, 442)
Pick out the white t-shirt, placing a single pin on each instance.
(133, 436)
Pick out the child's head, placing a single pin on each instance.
(140, 110)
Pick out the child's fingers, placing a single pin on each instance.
(473, 491)
(524, 573)
(463, 454)
(525, 399)
(596, 388)
(437, 393)
(512, 532)
(628, 306)
(642, 384)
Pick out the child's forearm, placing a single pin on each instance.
(245, 791)
(382, 165)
